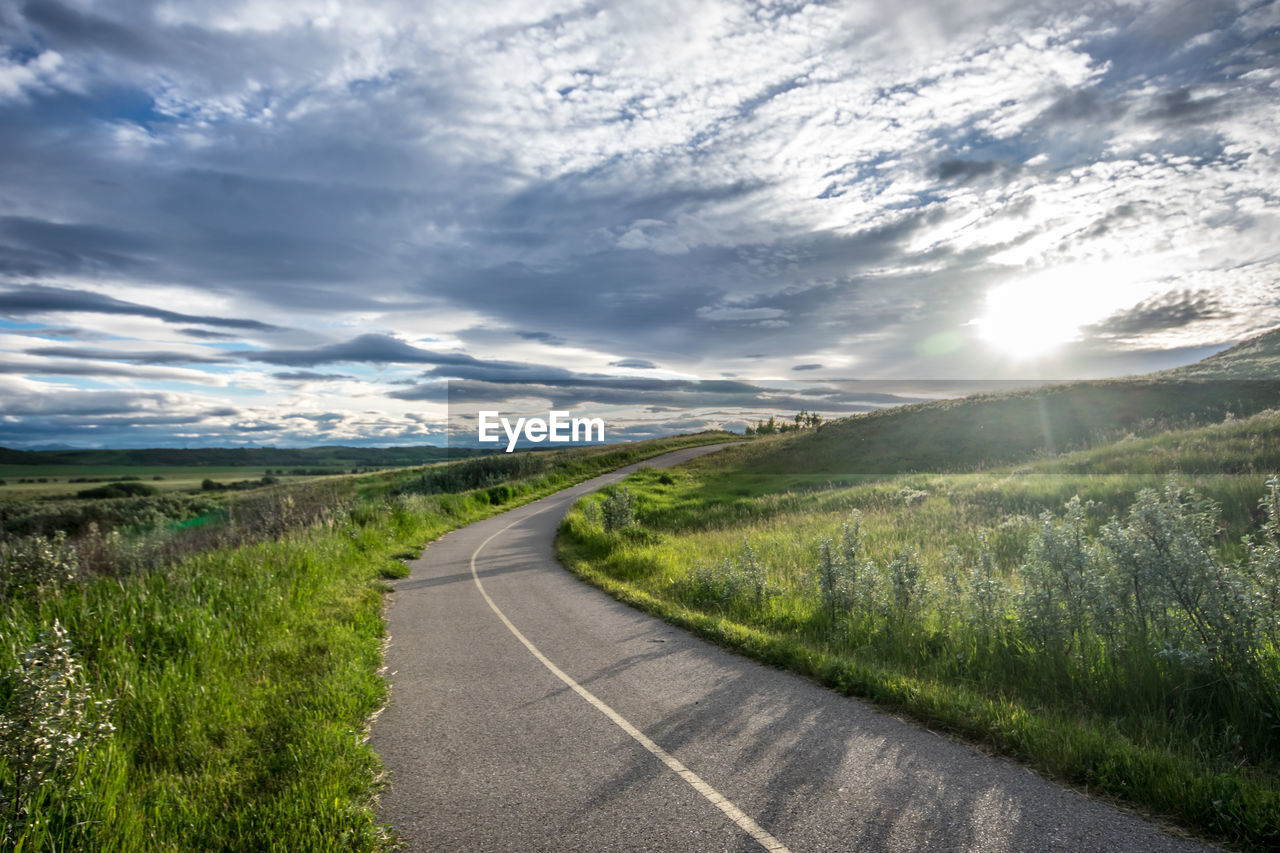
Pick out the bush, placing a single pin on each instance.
(36, 562)
(742, 582)
(846, 579)
(118, 490)
(49, 721)
(618, 510)
(47, 517)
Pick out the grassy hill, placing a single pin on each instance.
(1085, 576)
(1256, 358)
(989, 430)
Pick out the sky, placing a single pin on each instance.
(304, 222)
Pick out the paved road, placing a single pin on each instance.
(531, 712)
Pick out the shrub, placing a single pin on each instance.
(618, 510)
(1263, 564)
(1173, 591)
(48, 722)
(846, 578)
(36, 562)
(907, 587)
(740, 582)
(1064, 597)
(118, 490)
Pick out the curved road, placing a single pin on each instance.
(532, 712)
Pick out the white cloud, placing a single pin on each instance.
(19, 79)
(710, 186)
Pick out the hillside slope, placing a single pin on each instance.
(994, 429)
(1256, 358)
(1110, 615)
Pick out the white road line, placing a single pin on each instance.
(735, 814)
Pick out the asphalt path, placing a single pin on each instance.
(532, 712)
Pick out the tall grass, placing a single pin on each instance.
(206, 684)
(1116, 629)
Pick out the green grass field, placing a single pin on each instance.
(57, 480)
(43, 473)
(200, 676)
(1109, 614)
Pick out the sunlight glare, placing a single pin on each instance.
(1025, 322)
(1027, 319)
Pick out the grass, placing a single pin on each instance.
(60, 480)
(732, 548)
(239, 678)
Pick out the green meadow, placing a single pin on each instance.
(62, 473)
(199, 672)
(1085, 577)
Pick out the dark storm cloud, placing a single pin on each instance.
(1171, 310)
(41, 299)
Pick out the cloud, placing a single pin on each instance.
(717, 189)
(207, 335)
(40, 299)
(99, 369)
(736, 314)
(809, 366)
(75, 28)
(587, 393)
(309, 376)
(134, 356)
(371, 348)
(1172, 310)
(543, 338)
(964, 171)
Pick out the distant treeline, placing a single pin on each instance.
(332, 456)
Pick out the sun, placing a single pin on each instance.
(1026, 322)
(1030, 318)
